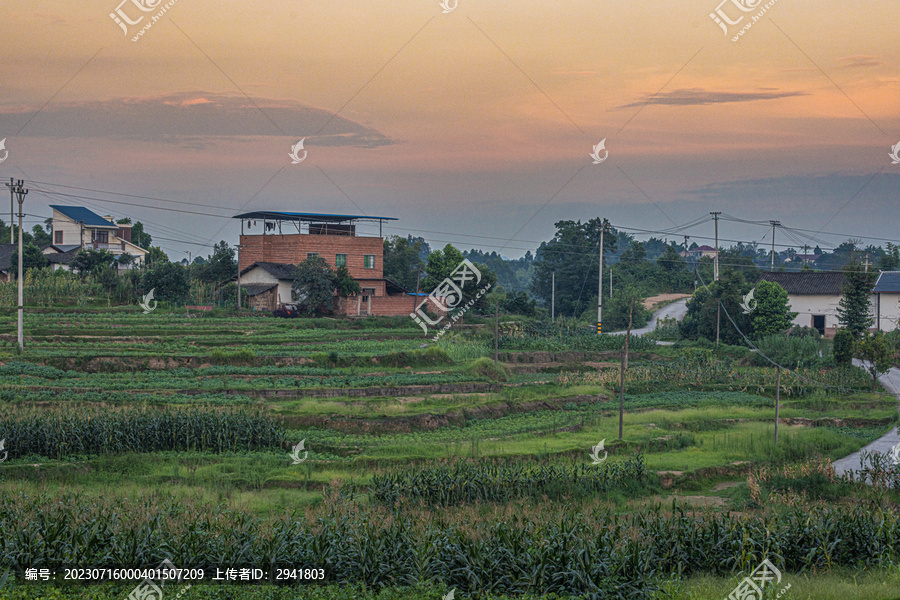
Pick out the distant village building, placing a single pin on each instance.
(76, 228)
(887, 300)
(699, 252)
(281, 240)
(813, 295)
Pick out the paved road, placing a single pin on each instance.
(676, 309)
(883, 445)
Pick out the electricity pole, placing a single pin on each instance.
(239, 276)
(553, 297)
(600, 291)
(20, 193)
(774, 225)
(715, 215)
(12, 192)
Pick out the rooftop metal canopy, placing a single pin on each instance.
(272, 215)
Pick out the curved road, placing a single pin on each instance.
(849, 464)
(676, 309)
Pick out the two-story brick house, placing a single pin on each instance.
(287, 238)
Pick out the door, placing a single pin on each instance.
(818, 322)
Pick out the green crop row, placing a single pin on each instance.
(464, 482)
(39, 432)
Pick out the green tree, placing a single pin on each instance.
(32, 258)
(125, 259)
(703, 314)
(518, 303)
(890, 260)
(40, 237)
(169, 282)
(442, 263)
(89, 261)
(155, 256)
(772, 313)
(572, 255)
(140, 237)
(854, 309)
(874, 350)
(344, 284)
(314, 285)
(616, 309)
(221, 265)
(843, 347)
(402, 261)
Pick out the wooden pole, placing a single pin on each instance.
(777, 400)
(496, 331)
(622, 373)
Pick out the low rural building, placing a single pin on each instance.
(268, 284)
(813, 295)
(887, 300)
(699, 252)
(77, 227)
(6, 252)
(288, 238)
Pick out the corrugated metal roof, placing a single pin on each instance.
(303, 216)
(888, 282)
(80, 214)
(807, 283)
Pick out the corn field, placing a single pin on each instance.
(465, 482)
(92, 432)
(600, 555)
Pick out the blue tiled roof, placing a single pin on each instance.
(80, 214)
(888, 281)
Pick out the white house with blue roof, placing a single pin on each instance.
(887, 300)
(76, 228)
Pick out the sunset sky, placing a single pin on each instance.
(474, 122)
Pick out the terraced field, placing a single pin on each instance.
(349, 425)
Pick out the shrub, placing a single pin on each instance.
(790, 352)
(804, 332)
(485, 367)
(843, 347)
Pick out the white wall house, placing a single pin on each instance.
(814, 296)
(887, 300)
(76, 228)
(269, 272)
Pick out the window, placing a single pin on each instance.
(101, 236)
(369, 261)
(311, 254)
(57, 237)
(340, 260)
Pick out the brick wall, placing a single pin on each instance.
(398, 305)
(295, 247)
